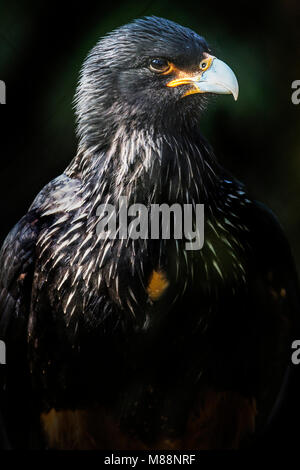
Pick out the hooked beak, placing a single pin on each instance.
(217, 78)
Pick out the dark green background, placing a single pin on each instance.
(42, 47)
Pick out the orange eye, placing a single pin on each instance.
(159, 65)
(204, 64)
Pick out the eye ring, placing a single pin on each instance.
(159, 65)
(204, 64)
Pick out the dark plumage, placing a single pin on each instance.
(193, 360)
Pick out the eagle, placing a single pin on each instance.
(137, 342)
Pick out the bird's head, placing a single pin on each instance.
(152, 72)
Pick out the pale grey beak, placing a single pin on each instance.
(219, 78)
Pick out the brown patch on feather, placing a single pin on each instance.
(219, 420)
(283, 292)
(88, 429)
(157, 285)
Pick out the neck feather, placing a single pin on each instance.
(149, 167)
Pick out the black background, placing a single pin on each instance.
(42, 46)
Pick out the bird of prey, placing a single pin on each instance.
(140, 343)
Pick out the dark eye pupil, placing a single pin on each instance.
(159, 64)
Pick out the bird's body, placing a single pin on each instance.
(139, 343)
